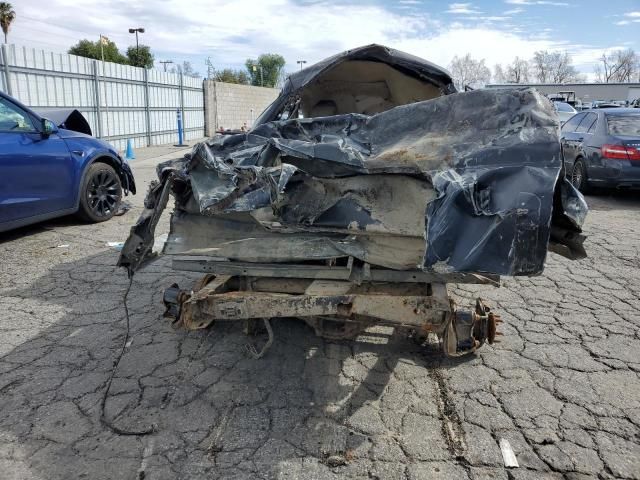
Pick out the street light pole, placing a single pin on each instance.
(301, 62)
(255, 68)
(136, 30)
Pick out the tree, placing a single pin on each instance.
(89, 49)
(618, 66)
(553, 67)
(562, 69)
(467, 71)
(282, 78)
(187, 70)
(7, 16)
(232, 76)
(518, 71)
(265, 71)
(498, 74)
(140, 56)
(541, 66)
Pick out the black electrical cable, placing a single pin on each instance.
(103, 419)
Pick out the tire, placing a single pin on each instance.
(579, 177)
(100, 193)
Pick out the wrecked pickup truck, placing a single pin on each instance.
(366, 187)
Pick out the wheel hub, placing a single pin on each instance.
(103, 193)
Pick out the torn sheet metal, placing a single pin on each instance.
(463, 182)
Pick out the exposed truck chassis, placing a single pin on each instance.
(338, 302)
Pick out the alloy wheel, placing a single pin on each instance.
(577, 176)
(102, 193)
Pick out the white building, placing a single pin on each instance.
(585, 92)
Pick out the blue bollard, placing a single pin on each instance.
(179, 116)
(129, 155)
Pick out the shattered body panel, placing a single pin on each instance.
(364, 188)
(461, 183)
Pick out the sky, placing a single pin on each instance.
(229, 32)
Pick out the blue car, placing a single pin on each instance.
(48, 172)
(601, 148)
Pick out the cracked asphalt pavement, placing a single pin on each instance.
(562, 387)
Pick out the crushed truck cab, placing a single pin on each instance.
(366, 187)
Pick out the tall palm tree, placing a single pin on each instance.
(7, 16)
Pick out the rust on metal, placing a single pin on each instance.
(336, 310)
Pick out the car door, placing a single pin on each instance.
(584, 133)
(568, 139)
(36, 171)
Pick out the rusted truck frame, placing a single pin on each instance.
(338, 302)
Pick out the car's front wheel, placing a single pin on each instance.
(100, 193)
(579, 176)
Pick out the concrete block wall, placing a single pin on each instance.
(230, 105)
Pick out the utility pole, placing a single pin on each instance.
(301, 62)
(211, 71)
(136, 30)
(164, 64)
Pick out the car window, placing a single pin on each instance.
(13, 118)
(563, 107)
(624, 124)
(572, 123)
(594, 125)
(586, 122)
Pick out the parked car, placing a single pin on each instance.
(604, 104)
(565, 111)
(601, 148)
(567, 97)
(48, 172)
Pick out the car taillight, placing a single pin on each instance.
(634, 153)
(620, 152)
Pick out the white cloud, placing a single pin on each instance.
(479, 42)
(537, 2)
(513, 11)
(632, 17)
(299, 32)
(462, 8)
(488, 18)
(227, 33)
